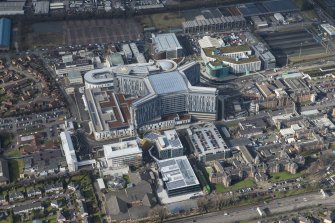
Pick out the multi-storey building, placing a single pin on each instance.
(149, 93)
(122, 154)
(267, 58)
(208, 143)
(202, 24)
(169, 145)
(178, 176)
(273, 95)
(239, 59)
(77, 65)
(166, 46)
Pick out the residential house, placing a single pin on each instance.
(330, 217)
(72, 186)
(26, 208)
(305, 220)
(3, 200)
(54, 204)
(32, 192)
(15, 196)
(54, 188)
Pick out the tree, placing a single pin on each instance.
(159, 213)
(203, 204)
(219, 201)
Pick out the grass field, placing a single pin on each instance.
(281, 176)
(162, 20)
(220, 188)
(309, 14)
(12, 153)
(15, 168)
(8, 219)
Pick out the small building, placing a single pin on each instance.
(41, 7)
(305, 220)
(166, 46)
(259, 23)
(279, 17)
(115, 59)
(67, 58)
(12, 7)
(128, 54)
(329, 29)
(74, 77)
(3, 200)
(5, 33)
(101, 184)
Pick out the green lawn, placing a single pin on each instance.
(220, 188)
(82, 179)
(12, 153)
(281, 176)
(15, 168)
(162, 20)
(8, 219)
(51, 218)
(126, 178)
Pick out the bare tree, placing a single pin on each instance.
(219, 201)
(203, 204)
(159, 213)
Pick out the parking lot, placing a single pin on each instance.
(101, 31)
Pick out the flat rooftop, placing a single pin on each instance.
(166, 42)
(207, 140)
(221, 56)
(121, 149)
(74, 74)
(98, 76)
(177, 173)
(169, 140)
(74, 63)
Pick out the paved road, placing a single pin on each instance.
(249, 212)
